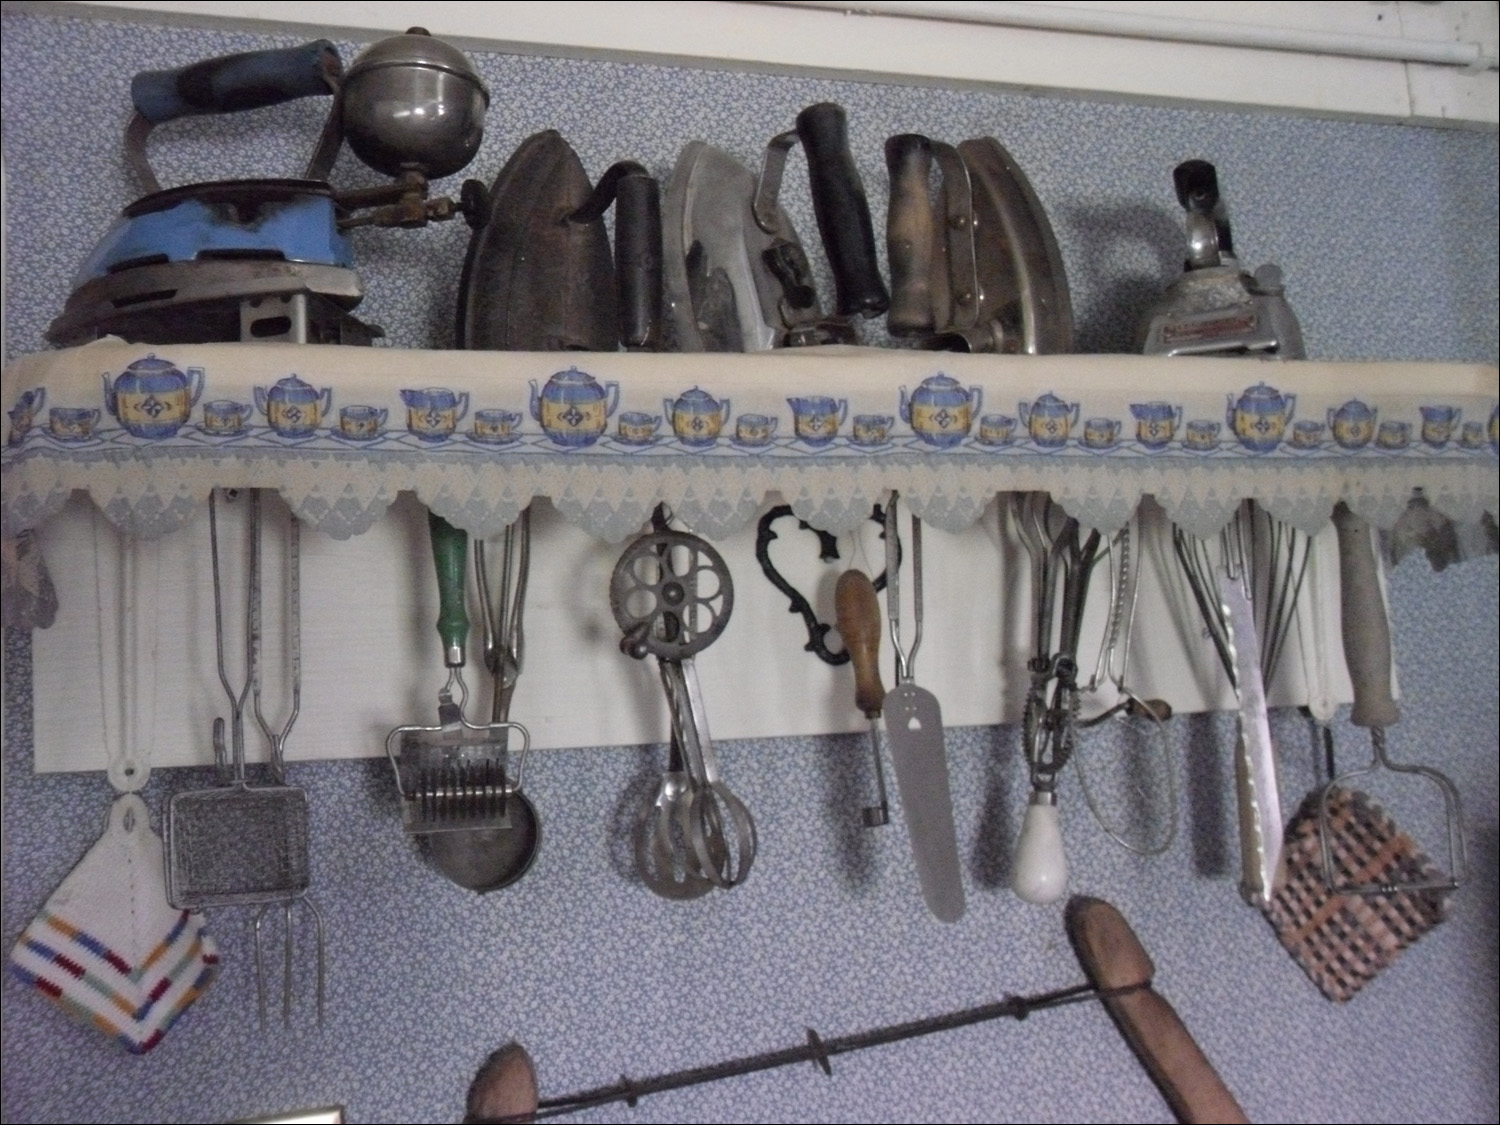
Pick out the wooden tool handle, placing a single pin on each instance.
(1113, 957)
(1367, 632)
(858, 610)
(909, 234)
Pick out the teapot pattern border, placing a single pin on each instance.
(1257, 424)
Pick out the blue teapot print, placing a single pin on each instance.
(1353, 424)
(573, 408)
(1260, 417)
(1155, 423)
(294, 408)
(433, 413)
(940, 411)
(697, 417)
(1049, 420)
(152, 398)
(1439, 423)
(816, 418)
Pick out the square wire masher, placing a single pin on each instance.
(237, 845)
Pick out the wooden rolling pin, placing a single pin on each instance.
(1114, 958)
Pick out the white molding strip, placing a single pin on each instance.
(1298, 58)
(1370, 31)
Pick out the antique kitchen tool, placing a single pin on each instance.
(1358, 890)
(240, 844)
(1215, 307)
(453, 777)
(1247, 599)
(828, 551)
(858, 607)
(1061, 558)
(663, 858)
(1255, 769)
(914, 730)
(980, 271)
(671, 594)
(270, 258)
(1145, 719)
(1120, 976)
(538, 275)
(1367, 650)
(1118, 965)
(1223, 589)
(736, 274)
(487, 859)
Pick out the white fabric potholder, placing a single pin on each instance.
(108, 948)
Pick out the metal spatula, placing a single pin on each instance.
(914, 730)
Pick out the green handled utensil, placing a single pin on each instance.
(452, 776)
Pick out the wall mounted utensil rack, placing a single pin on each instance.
(345, 434)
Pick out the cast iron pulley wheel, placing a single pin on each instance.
(671, 594)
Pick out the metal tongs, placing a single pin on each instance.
(504, 637)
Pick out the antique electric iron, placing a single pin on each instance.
(1215, 307)
(270, 259)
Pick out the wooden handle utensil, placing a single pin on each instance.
(858, 609)
(1113, 958)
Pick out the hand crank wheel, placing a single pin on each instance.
(671, 594)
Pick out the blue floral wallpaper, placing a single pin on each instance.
(1386, 235)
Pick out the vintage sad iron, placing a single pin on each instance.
(538, 275)
(978, 270)
(737, 276)
(270, 259)
(1215, 307)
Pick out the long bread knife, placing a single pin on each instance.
(1261, 863)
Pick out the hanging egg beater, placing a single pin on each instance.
(271, 259)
